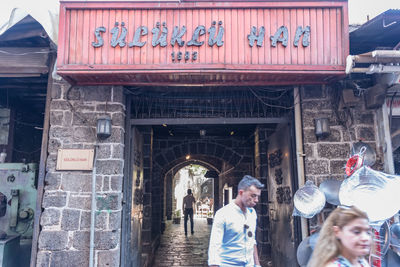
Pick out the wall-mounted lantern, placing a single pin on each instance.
(322, 127)
(104, 127)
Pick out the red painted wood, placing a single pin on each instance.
(327, 51)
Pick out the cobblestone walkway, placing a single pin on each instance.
(178, 250)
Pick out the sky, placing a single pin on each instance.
(360, 9)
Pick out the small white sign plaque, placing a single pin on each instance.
(75, 159)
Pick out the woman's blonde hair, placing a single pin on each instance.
(328, 246)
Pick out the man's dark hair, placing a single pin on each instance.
(248, 181)
(189, 191)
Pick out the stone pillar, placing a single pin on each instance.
(169, 195)
(261, 172)
(147, 133)
(65, 221)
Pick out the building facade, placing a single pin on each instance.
(253, 76)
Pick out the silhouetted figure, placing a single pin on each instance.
(187, 207)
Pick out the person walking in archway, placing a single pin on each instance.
(187, 207)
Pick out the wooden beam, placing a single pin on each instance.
(197, 121)
(42, 166)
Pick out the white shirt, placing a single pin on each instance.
(230, 242)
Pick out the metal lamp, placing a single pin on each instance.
(104, 127)
(322, 127)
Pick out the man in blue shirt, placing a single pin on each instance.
(232, 241)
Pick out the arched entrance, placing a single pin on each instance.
(227, 132)
(175, 189)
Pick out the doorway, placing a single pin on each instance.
(225, 130)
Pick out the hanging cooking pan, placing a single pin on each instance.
(369, 155)
(330, 188)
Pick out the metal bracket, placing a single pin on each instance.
(14, 208)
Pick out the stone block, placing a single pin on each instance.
(103, 240)
(338, 166)
(96, 93)
(68, 145)
(365, 134)
(108, 202)
(116, 183)
(75, 182)
(115, 218)
(309, 150)
(106, 184)
(84, 134)
(103, 151)
(51, 162)
(108, 258)
(118, 119)
(118, 151)
(43, 259)
(59, 105)
(70, 220)
(83, 202)
(316, 166)
(118, 94)
(317, 105)
(364, 118)
(56, 118)
(58, 132)
(52, 181)
(110, 108)
(50, 217)
(349, 135)
(53, 240)
(55, 91)
(100, 220)
(334, 136)
(80, 118)
(72, 93)
(54, 145)
(333, 151)
(69, 258)
(109, 167)
(67, 119)
(54, 199)
(117, 135)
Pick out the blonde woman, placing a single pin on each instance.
(345, 239)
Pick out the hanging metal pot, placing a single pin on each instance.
(369, 154)
(330, 188)
(308, 200)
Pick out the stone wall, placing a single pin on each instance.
(65, 221)
(261, 172)
(326, 157)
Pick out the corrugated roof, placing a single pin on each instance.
(383, 31)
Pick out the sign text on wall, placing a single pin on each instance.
(215, 37)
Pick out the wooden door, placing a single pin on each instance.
(280, 192)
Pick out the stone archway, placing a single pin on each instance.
(170, 183)
(231, 159)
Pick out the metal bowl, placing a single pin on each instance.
(372, 192)
(330, 188)
(309, 200)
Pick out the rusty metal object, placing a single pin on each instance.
(3, 204)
